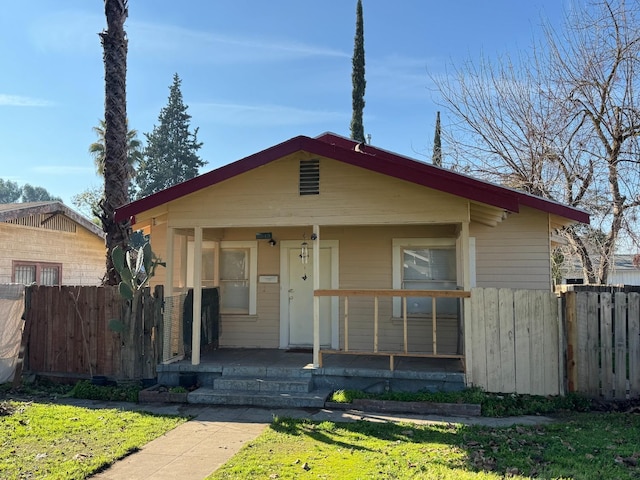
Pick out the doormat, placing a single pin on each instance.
(299, 350)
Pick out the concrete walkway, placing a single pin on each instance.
(198, 447)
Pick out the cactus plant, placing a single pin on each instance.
(136, 267)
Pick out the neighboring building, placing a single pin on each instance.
(49, 244)
(623, 272)
(380, 220)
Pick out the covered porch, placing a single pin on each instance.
(294, 296)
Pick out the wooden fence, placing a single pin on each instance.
(603, 343)
(84, 332)
(512, 340)
(534, 342)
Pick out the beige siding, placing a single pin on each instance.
(82, 254)
(348, 195)
(516, 253)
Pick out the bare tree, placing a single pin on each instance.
(561, 122)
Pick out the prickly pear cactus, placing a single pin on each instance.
(136, 267)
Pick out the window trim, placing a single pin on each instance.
(38, 266)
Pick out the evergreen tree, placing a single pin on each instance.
(437, 144)
(10, 192)
(170, 156)
(357, 78)
(37, 194)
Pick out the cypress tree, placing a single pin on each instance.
(437, 144)
(170, 156)
(357, 78)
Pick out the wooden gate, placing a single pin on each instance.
(603, 343)
(512, 341)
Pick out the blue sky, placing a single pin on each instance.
(254, 73)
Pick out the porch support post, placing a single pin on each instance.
(465, 257)
(167, 334)
(197, 297)
(168, 288)
(316, 300)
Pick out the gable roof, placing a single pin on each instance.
(14, 211)
(371, 158)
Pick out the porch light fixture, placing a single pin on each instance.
(272, 242)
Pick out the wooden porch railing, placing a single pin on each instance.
(434, 294)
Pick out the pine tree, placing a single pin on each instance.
(170, 156)
(437, 144)
(357, 78)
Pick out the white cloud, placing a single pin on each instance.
(22, 101)
(263, 115)
(207, 47)
(75, 31)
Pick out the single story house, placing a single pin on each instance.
(290, 231)
(48, 243)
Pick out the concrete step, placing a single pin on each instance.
(264, 384)
(212, 396)
(262, 372)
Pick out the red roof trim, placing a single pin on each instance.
(374, 159)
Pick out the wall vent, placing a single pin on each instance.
(309, 177)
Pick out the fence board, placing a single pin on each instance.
(507, 343)
(477, 335)
(570, 310)
(592, 346)
(537, 343)
(550, 344)
(492, 339)
(522, 343)
(620, 344)
(634, 344)
(606, 340)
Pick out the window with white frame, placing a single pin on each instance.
(36, 272)
(235, 272)
(425, 264)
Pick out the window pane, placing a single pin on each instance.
(233, 264)
(234, 281)
(429, 264)
(429, 269)
(208, 267)
(25, 274)
(49, 276)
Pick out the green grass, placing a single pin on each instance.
(581, 446)
(493, 405)
(43, 440)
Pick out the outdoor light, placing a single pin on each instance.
(272, 242)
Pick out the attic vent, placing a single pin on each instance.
(310, 177)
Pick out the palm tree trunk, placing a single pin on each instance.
(116, 180)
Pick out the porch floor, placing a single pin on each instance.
(297, 358)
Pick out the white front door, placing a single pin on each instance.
(301, 298)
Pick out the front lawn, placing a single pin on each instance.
(580, 446)
(44, 440)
